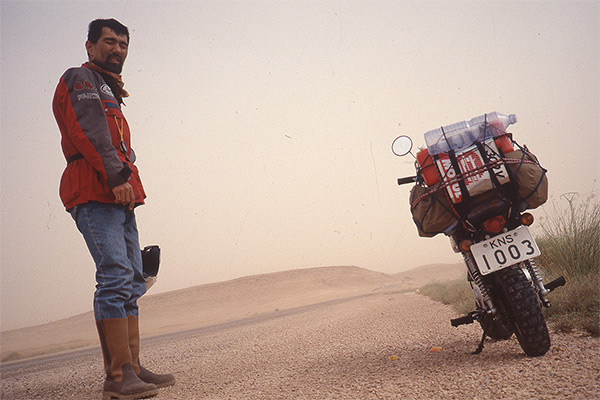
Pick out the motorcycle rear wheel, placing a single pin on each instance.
(523, 310)
(496, 330)
(493, 328)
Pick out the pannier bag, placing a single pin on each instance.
(431, 211)
(532, 182)
(439, 208)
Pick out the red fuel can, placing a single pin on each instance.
(504, 143)
(427, 167)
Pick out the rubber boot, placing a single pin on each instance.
(134, 346)
(121, 380)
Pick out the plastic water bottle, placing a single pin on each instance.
(464, 133)
(492, 124)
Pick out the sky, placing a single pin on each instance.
(263, 129)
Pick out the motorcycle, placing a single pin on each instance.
(493, 237)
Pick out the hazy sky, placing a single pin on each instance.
(263, 129)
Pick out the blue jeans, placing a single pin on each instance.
(111, 234)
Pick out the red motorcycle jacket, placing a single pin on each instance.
(95, 140)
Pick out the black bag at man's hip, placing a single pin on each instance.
(150, 260)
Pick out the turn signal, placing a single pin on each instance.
(527, 219)
(465, 245)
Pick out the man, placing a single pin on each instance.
(100, 188)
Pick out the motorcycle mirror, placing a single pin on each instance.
(402, 145)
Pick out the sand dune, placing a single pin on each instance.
(217, 303)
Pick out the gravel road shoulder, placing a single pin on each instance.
(369, 347)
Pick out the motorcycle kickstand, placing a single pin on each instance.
(485, 331)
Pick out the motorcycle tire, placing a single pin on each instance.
(523, 309)
(497, 330)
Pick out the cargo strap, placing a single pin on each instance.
(465, 203)
(458, 209)
(488, 164)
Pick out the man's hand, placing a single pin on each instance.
(124, 195)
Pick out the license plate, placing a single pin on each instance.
(504, 250)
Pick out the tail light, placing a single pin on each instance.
(494, 224)
(527, 219)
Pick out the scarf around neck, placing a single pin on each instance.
(117, 82)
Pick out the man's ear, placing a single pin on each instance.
(89, 48)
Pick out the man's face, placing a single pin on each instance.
(110, 51)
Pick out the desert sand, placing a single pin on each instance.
(217, 303)
(322, 333)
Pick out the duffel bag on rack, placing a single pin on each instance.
(433, 212)
(532, 182)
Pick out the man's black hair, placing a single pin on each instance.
(95, 29)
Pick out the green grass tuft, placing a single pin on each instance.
(456, 293)
(570, 246)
